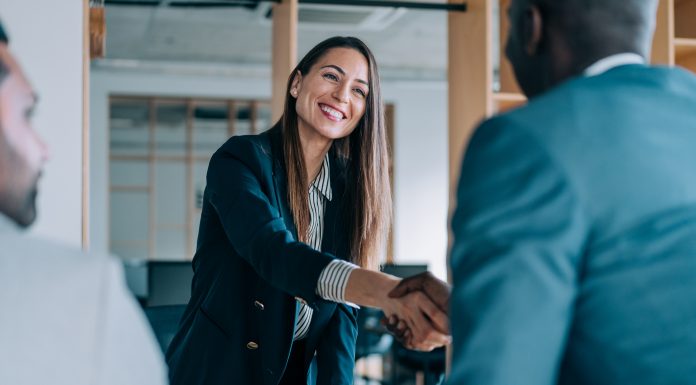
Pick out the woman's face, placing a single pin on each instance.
(331, 97)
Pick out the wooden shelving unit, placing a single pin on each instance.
(476, 89)
(503, 101)
(675, 35)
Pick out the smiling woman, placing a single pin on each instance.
(334, 95)
(293, 221)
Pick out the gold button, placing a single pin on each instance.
(251, 345)
(259, 305)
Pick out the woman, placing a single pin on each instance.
(293, 222)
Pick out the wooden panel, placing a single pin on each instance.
(85, 123)
(505, 101)
(284, 52)
(686, 57)
(684, 48)
(685, 18)
(663, 41)
(231, 118)
(470, 74)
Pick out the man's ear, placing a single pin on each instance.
(533, 30)
(296, 84)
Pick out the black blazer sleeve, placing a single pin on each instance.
(239, 180)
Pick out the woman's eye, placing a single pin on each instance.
(331, 76)
(360, 92)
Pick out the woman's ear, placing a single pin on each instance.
(296, 84)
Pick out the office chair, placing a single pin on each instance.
(373, 339)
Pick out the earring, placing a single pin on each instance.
(293, 92)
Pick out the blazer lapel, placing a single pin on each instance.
(280, 180)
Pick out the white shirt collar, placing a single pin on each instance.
(323, 180)
(613, 61)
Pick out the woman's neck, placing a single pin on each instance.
(314, 149)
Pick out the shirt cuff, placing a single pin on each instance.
(333, 281)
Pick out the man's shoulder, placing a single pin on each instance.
(25, 251)
(70, 313)
(584, 105)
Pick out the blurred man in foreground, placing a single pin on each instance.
(65, 317)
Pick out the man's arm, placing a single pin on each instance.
(518, 232)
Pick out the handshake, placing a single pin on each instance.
(417, 313)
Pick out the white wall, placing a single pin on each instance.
(421, 163)
(46, 38)
(421, 171)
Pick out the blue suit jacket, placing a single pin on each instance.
(249, 268)
(574, 259)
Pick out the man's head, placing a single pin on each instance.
(552, 40)
(22, 152)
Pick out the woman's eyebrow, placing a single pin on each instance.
(342, 72)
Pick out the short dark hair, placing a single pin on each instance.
(4, 71)
(590, 24)
(3, 35)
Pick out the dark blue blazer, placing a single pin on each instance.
(574, 259)
(250, 274)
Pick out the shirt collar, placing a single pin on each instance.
(603, 65)
(323, 181)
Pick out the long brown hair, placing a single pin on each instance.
(365, 153)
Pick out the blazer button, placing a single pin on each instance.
(259, 305)
(251, 345)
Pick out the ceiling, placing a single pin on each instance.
(408, 44)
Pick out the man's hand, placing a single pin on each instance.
(437, 290)
(422, 325)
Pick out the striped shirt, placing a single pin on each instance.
(334, 277)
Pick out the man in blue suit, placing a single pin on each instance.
(574, 259)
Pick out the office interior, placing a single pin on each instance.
(149, 89)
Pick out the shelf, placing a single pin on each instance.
(508, 100)
(684, 47)
(685, 53)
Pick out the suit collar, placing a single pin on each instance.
(322, 182)
(613, 61)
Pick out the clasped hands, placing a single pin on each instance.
(418, 312)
